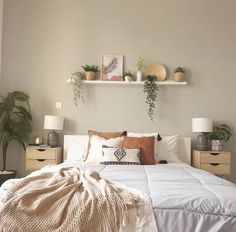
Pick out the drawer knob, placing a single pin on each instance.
(215, 154)
(215, 164)
(41, 149)
(41, 160)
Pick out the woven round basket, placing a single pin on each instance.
(158, 70)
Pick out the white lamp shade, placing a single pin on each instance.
(53, 122)
(201, 125)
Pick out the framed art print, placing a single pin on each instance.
(112, 68)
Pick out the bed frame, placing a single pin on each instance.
(184, 147)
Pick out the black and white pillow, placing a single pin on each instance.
(122, 156)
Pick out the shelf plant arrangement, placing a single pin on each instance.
(139, 66)
(150, 89)
(15, 125)
(179, 74)
(90, 71)
(218, 136)
(128, 76)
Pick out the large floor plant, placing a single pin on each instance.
(15, 119)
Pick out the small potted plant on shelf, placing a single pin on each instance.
(218, 136)
(90, 71)
(128, 76)
(139, 66)
(15, 119)
(179, 74)
(150, 89)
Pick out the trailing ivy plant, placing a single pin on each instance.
(151, 89)
(77, 81)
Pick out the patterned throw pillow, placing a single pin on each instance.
(122, 156)
(105, 135)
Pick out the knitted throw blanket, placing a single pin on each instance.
(66, 200)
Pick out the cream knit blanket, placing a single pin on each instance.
(66, 200)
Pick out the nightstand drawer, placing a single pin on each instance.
(34, 164)
(217, 168)
(48, 153)
(215, 157)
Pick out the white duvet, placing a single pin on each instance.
(183, 198)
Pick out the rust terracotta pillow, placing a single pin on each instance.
(106, 135)
(146, 146)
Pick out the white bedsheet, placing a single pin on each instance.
(183, 198)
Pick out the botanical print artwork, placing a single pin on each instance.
(112, 67)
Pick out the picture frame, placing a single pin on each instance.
(112, 67)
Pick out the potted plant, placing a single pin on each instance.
(15, 118)
(179, 74)
(128, 76)
(150, 89)
(90, 71)
(218, 136)
(139, 66)
(76, 80)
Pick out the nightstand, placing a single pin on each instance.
(37, 158)
(215, 162)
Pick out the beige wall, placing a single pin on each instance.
(45, 41)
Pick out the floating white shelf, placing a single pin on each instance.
(98, 82)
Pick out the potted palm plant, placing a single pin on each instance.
(90, 71)
(15, 118)
(218, 136)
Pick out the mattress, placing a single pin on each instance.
(183, 198)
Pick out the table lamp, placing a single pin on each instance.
(53, 123)
(202, 125)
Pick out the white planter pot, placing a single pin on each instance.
(139, 76)
(217, 145)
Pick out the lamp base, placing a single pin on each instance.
(53, 139)
(202, 142)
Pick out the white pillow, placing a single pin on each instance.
(155, 134)
(167, 149)
(124, 156)
(77, 148)
(96, 143)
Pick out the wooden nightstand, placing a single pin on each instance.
(38, 158)
(216, 162)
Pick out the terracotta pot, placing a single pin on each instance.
(6, 176)
(179, 76)
(90, 75)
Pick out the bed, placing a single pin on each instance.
(183, 198)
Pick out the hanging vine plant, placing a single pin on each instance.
(150, 89)
(77, 81)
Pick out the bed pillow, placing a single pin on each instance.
(168, 148)
(155, 134)
(77, 148)
(146, 145)
(121, 156)
(105, 135)
(96, 143)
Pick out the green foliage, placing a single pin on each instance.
(90, 68)
(77, 82)
(179, 69)
(221, 132)
(139, 63)
(150, 89)
(131, 76)
(15, 118)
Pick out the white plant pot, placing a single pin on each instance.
(217, 145)
(139, 76)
